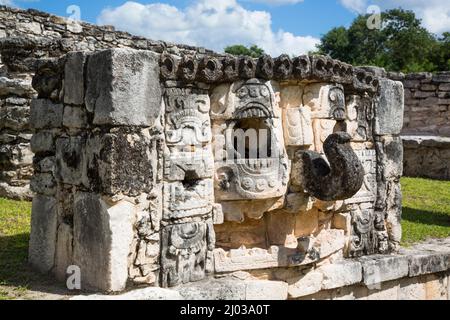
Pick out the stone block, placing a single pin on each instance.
(280, 228)
(45, 165)
(305, 285)
(420, 264)
(387, 291)
(121, 162)
(424, 94)
(389, 109)
(144, 294)
(214, 290)
(356, 292)
(18, 87)
(306, 223)
(69, 159)
(123, 87)
(389, 156)
(444, 87)
(266, 290)
(41, 252)
(436, 287)
(64, 251)
(443, 76)
(74, 117)
(328, 242)
(43, 142)
(15, 118)
(380, 268)
(74, 78)
(103, 233)
(46, 114)
(412, 289)
(29, 27)
(43, 183)
(428, 87)
(340, 274)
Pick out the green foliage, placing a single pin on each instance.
(239, 50)
(401, 44)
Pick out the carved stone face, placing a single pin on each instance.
(254, 163)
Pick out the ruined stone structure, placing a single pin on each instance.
(218, 177)
(26, 37)
(165, 169)
(426, 131)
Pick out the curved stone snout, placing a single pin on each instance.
(339, 180)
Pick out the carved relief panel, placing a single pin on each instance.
(187, 238)
(252, 162)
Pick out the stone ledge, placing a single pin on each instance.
(382, 268)
(370, 273)
(412, 141)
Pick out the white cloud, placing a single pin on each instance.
(213, 24)
(277, 2)
(435, 14)
(7, 3)
(358, 6)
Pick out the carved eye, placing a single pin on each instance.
(242, 92)
(333, 96)
(264, 92)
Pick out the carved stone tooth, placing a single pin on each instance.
(230, 66)
(283, 67)
(169, 66)
(264, 68)
(262, 163)
(210, 70)
(188, 68)
(247, 67)
(301, 67)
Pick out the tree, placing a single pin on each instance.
(239, 50)
(441, 55)
(401, 44)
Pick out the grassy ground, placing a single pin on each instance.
(426, 209)
(14, 236)
(426, 214)
(17, 280)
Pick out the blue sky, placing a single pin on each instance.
(292, 26)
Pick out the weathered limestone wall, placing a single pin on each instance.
(426, 130)
(26, 37)
(427, 156)
(427, 104)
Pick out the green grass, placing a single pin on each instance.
(426, 209)
(426, 214)
(14, 237)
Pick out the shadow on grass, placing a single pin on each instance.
(16, 272)
(426, 217)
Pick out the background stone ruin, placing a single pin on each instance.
(426, 131)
